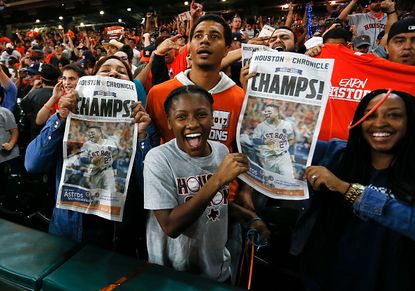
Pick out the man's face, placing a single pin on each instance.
(111, 50)
(271, 114)
(282, 40)
(169, 57)
(94, 134)
(375, 6)
(401, 48)
(69, 80)
(207, 47)
(236, 23)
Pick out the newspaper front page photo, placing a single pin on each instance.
(99, 148)
(279, 123)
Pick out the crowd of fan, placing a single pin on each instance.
(39, 67)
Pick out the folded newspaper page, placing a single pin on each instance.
(280, 120)
(249, 49)
(99, 148)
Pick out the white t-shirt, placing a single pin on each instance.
(171, 177)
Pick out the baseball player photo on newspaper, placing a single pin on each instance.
(99, 148)
(280, 120)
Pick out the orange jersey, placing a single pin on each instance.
(177, 66)
(353, 77)
(226, 108)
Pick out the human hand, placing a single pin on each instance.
(7, 146)
(142, 118)
(263, 40)
(149, 14)
(270, 141)
(168, 44)
(232, 166)
(318, 176)
(245, 75)
(196, 10)
(262, 228)
(96, 160)
(314, 51)
(67, 103)
(387, 5)
(57, 91)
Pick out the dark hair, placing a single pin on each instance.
(102, 60)
(216, 18)
(273, 106)
(356, 163)
(250, 20)
(63, 61)
(128, 50)
(76, 68)
(94, 126)
(337, 33)
(49, 74)
(186, 90)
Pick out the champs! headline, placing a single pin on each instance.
(288, 85)
(104, 107)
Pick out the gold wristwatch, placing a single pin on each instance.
(354, 192)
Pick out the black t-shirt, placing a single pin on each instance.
(32, 103)
(348, 253)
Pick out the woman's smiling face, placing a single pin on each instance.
(190, 118)
(385, 127)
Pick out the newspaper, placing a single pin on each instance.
(249, 49)
(99, 148)
(266, 31)
(280, 121)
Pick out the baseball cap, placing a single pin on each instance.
(402, 26)
(146, 54)
(113, 42)
(9, 45)
(49, 72)
(361, 40)
(34, 68)
(88, 60)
